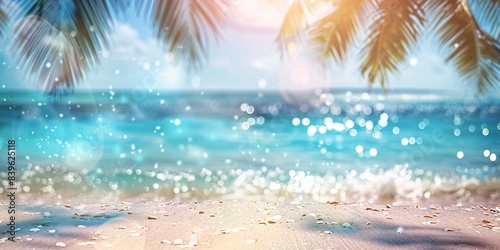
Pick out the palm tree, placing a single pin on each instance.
(57, 42)
(465, 31)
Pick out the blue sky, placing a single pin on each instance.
(245, 58)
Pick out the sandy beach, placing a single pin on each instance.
(254, 225)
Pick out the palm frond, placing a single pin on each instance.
(331, 36)
(46, 54)
(3, 19)
(487, 13)
(186, 27)
(81, 27)
(393, 34)
(489, 63)
(473, 52)
(295, 22)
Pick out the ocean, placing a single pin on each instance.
(347, 146)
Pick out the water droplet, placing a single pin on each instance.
(146, 66)
(460, 155)
(493, 157)
(296, 121)
(48, 65)
(359, 149)
(117, 71)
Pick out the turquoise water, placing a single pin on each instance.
(132, 144)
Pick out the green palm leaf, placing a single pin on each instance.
(186, 27)
(331, 36)
(473, 52)
(69, 36)
(392, 36)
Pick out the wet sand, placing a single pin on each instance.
(253, 225)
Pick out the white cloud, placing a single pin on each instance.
(139, 63)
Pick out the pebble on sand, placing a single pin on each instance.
(346, 225)
(250, 241)
(47, 215)
(178, 242)
(152, 217)
(166, 242)
(201, 212)
(88, 243)
(60, 244)
(52, 231)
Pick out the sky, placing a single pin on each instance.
(246, 58)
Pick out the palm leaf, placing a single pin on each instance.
(46, 54)
(3, 17)
(473, 52)
(391, 38)
(487, 13)
(295, 22)
(331, 36)
(186, 27)
(81, 28)
(489, 63)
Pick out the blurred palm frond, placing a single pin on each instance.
(392, 36)
(487, 14)
(4, 18)
(474, 53)
(295, 22)
(333, 35)
(68, 35)
(186, 27)
(489, 63)
(46, 54)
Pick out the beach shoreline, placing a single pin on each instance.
(232, 224)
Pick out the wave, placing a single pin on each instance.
(398, 184)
